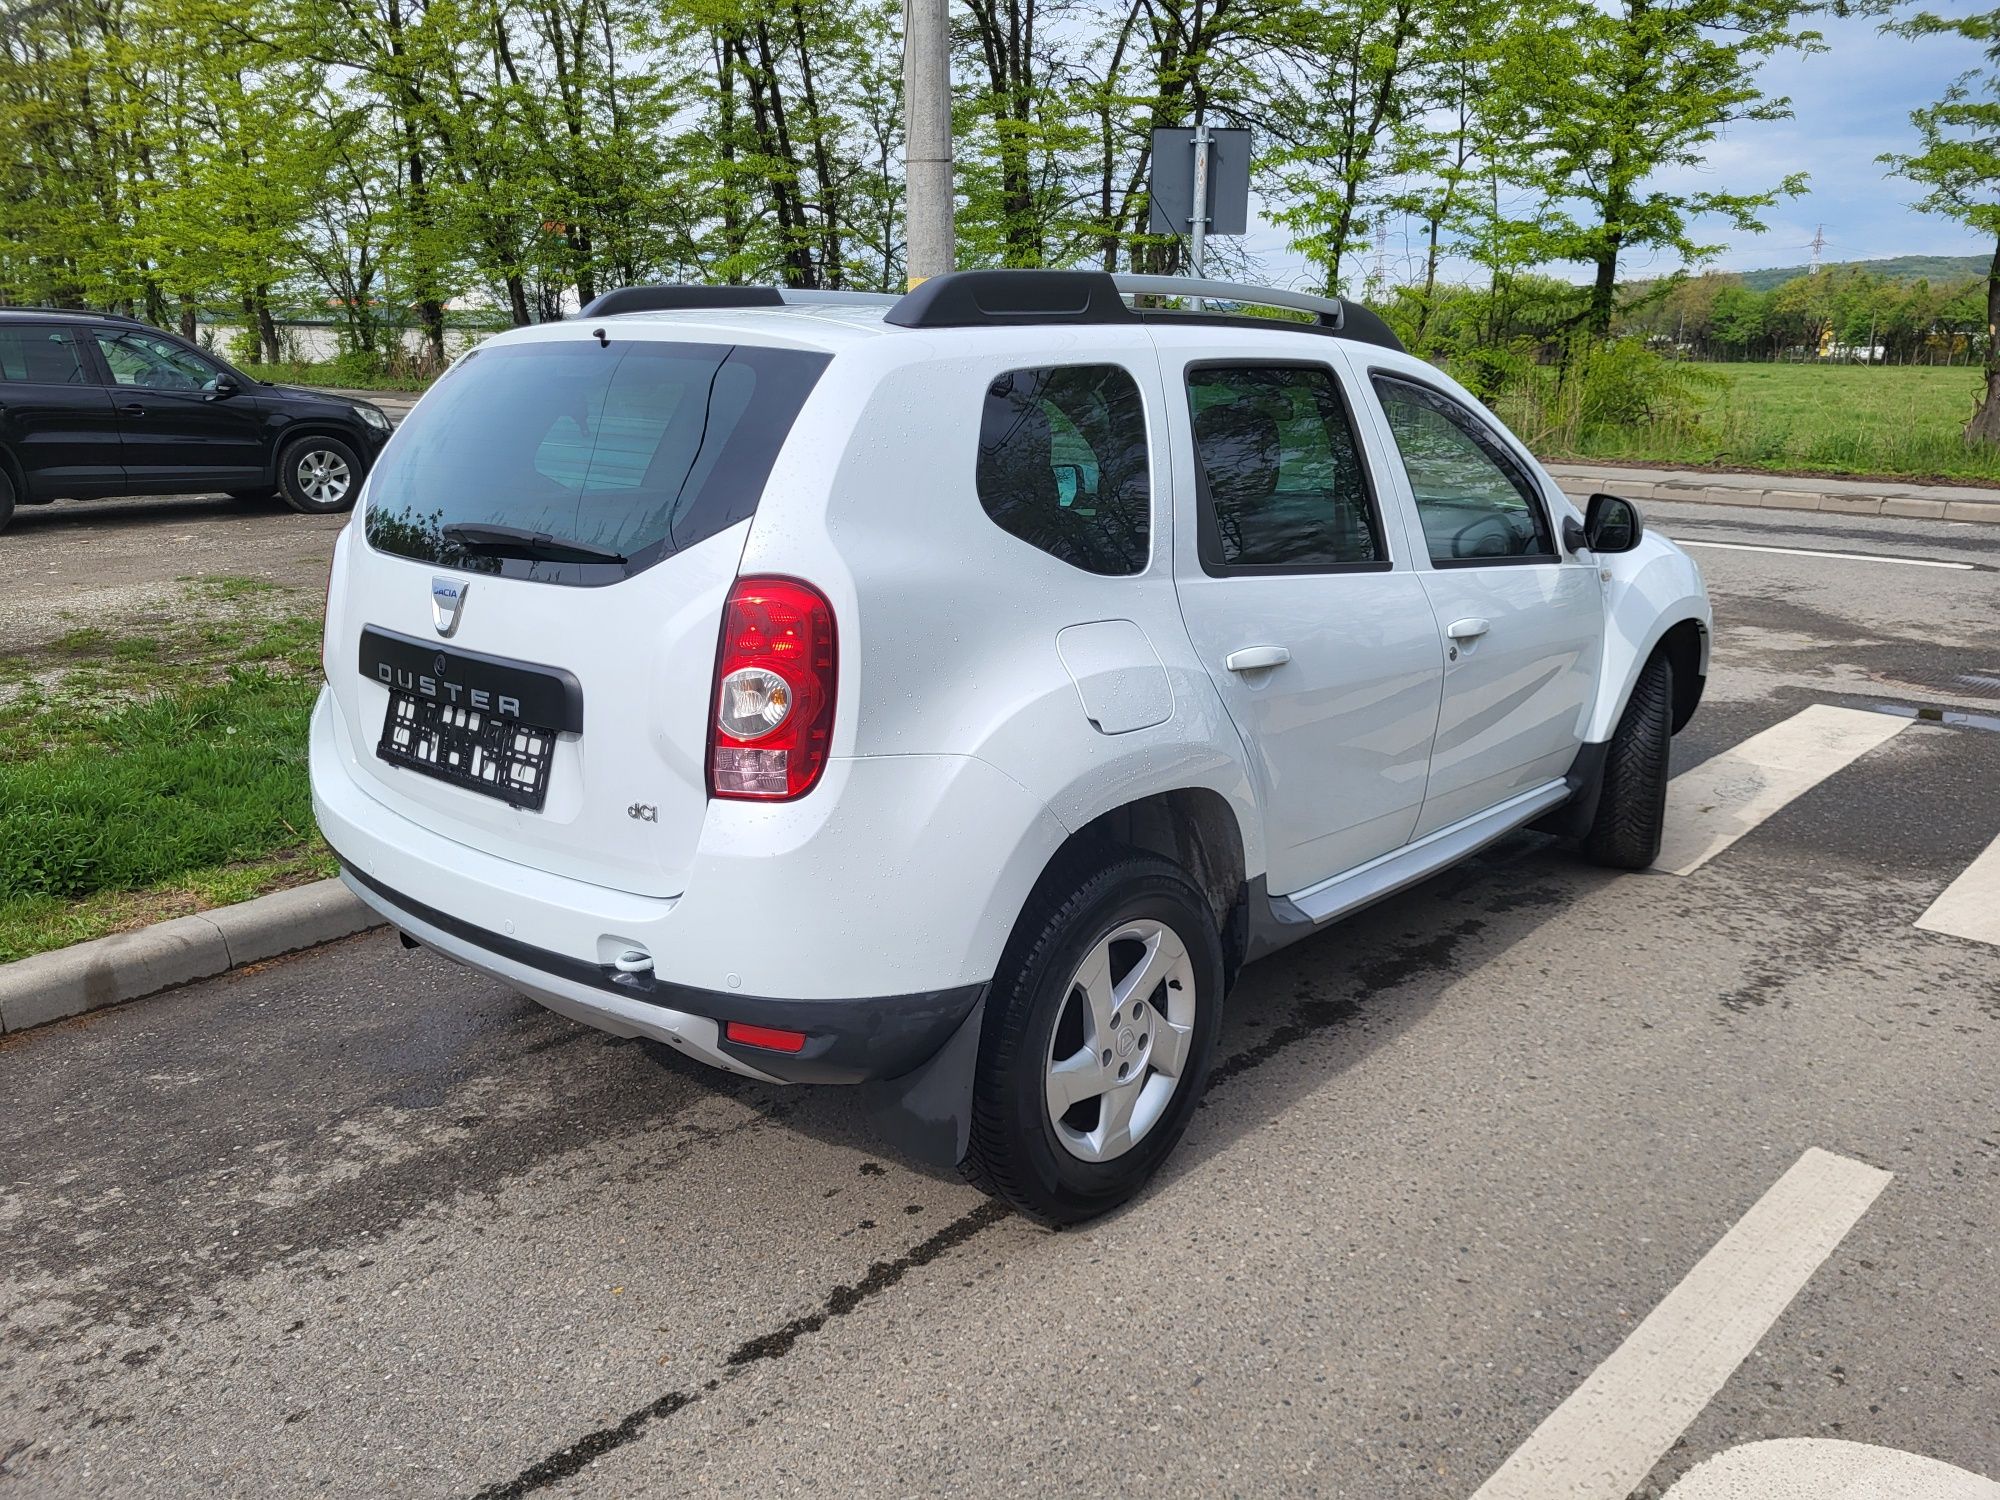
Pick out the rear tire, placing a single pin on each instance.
(1632, 805)
(6, 499)
(319, 476)
(1106, 1005)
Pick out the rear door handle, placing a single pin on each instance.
(1253, 658)
(1467, 630)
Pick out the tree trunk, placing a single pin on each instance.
(1985, 424)
(1603, 293)
(267, 330)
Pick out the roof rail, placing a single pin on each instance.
(678, 297)
(75, 312)
(1329, 312)
(980, 299)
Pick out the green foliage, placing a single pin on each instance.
(1959, 166)
(1608, 97)
(1621, 386)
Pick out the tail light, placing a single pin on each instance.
(774, 679)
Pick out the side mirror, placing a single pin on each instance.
(224, 387)
(1612, 524)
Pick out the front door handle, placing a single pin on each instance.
(1255, 658)
(132, 409)
(1467, 630)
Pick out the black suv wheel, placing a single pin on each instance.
(319, 476)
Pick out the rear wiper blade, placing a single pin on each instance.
(518, 541)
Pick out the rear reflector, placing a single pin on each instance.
(772, 1038)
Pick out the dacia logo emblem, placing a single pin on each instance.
(447, 603)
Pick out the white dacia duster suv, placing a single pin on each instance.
(951, 693)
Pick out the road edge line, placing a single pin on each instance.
(126, 966)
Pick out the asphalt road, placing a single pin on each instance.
(358, 1223)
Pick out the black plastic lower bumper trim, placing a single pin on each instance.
(847, 1041)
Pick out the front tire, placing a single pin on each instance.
(6, 499)
(1632, 804)
(1098, 1039)
(319, 476)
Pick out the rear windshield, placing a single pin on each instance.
(633, 450)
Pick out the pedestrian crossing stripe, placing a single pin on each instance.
(1712, 806)
(1970, 906)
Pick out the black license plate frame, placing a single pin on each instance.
(499, 757)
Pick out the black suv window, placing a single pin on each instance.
(37, 354)
(635, 449)
(1282, 481)
(159, 364)
(1062, 465)
(1475, 502)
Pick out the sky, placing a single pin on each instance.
(1850, 104)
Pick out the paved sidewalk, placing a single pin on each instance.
(1867, 497)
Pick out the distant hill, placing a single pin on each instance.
(1932, 268)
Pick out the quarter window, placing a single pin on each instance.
(1282, 479)
(40, 356)
(1062, 465)
(1475, 501)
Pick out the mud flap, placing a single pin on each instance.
(927, 1113)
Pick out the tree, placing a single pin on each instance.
(1960, 166)
(1611, 95)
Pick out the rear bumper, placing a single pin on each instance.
(847, 1041)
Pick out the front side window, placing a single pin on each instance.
(139, 359)
(1282, 480)
(40, 355)
(574, 463)
(1475, 502)
(1062, 465)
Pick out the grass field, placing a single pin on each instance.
(147, 776)
(1900, 421)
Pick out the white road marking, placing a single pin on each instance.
(1723, 798)
(1827, 1469)
(1915, 562)
(1970, 906)
(1602, 1441)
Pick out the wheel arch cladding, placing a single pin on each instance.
(1195, 827)
(1682, 644)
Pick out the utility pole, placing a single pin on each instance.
(932, 246)
(1818, 244)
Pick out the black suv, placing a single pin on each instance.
(92, 405)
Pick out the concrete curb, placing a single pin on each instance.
(1914, 501)
(109, 971)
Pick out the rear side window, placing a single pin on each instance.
(1282, 480)
(40, 356)
(638, 449)
(1062, 465)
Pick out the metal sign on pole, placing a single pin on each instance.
(1207, 169)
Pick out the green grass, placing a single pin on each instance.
(154, 774)
(341, 374)
(1900, 421)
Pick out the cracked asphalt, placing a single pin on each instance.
(360, 1223)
